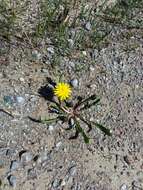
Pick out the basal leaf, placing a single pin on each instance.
(80, 130)
(86, 138)
(102, 128)
(48, 121)
(88, 105)
(92, 97)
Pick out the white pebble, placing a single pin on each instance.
(74, 83)
(124, 187)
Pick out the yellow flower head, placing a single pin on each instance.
(62, 91)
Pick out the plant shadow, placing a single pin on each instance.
(47, 91)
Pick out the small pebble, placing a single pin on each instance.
(124, 187)
(19, 99)
(63, 183)
(26, 157)
(92, 68)
(72, 171)
(72, 64)
(58, 145)
(36, 55)
(21, 79)
(14, 165)
(71, 43)
(51, 50)
(51, 128)
(12, 180)
(8, 100)
(44, 70)
(88, 26)
(84, 53)
(71, 123)
(74, 83)
(56, 183)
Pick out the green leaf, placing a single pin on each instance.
(92, 97)
(87, 105)
(103, 129)
(58, 106)
(88, 123)
(85, 137)
(55, 109)
(48, 121)
(79, 100)
(34, 120)
(80, 130)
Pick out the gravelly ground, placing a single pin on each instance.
(34, 156)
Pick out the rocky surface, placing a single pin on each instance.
(40, 157)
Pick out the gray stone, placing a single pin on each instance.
(88, 26)
(74, 83)
(47, 62)
(51, 50)
(92, 69)
(71, 43)
(26, 157)
(36, 55)
(19, 99)
(44, 70)
(21, 79)
(14, 165)
(8, 100)
(58, 145)
(63, 183)
(12, 180)
(56, 183)
(124, 187)
(84, 53)
(71, 123)
(71, 63)
(72, 171)
(50, 128)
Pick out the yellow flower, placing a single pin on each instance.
(62, 91)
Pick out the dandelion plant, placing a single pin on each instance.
(70, 112)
